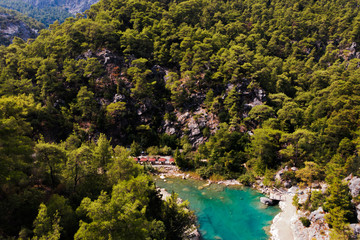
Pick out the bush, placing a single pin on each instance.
(217, 177)
(289, 176)
(317, 200)
(166, 150)
(247, 179)
(295, 201)
(153, 150)
(269, 177)
(305, 221)
(204, 172)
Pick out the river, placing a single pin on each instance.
(227, 213)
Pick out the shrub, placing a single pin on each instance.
(153, 150)
(216, 177)
(305, 221)
(247, 179)
(204, 172)
(295, 201)
(166, 150)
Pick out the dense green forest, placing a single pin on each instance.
(46, 15)
(280, 81)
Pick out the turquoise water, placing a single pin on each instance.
(226, 213)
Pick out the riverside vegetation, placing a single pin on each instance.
(242, 87)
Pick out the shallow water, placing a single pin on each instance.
(227, 213)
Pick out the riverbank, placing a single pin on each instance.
(281, 225)
(223, 212)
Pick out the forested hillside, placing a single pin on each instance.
(46, 15)
(250, 86)
(72, 6)
(13, 24)
(47, 12)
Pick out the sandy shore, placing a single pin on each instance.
(281, 227)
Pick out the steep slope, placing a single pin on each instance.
(244, 88)
(72, 6)
(14, 24)
(47, 12)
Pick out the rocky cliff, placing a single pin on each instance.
(13, 24)
(190, 121)
(73, 6)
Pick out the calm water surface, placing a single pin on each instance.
(226, 213)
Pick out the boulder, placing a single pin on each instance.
(266, 201)
(194, 235)
(317, 215)
(354, 186)
(287, 184)
(358, 212)
(356, 229)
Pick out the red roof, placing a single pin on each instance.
(171, 160)
(143, 159)
(152, 159)
(162, 159)
(136, 159)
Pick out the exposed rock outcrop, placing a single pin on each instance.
(11, 26)
(73, 6)
(354, 185)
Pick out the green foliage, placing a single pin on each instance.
(46, 15)
(260, 113)
(130, 69)
(269, 177)
(264, 145)
(295, 201)
(247, 179)
(153, 150)
(204, 172)
(122, 167)
(135, 149)
(51, 157)
(68, 222)
(309, 173)
(103, 151)
(15, 144)
(317, 199)
(124, 218)
(305, 221)
(81, 163)
(44, 228)
(339, 207)
(176, 217)
(85, 103)
(225, 149)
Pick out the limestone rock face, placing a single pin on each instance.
(356, 229)
(317, 215)
(354, 186)
(12, 27)
(73, 6)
